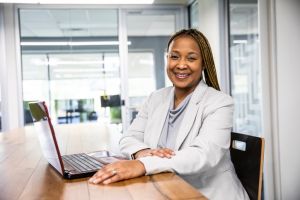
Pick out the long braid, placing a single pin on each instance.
(210, 73)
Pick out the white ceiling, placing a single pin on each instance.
(91, 23)
(104, 22)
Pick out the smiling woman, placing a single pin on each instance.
(184, 128)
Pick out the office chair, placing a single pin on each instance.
(247, 155)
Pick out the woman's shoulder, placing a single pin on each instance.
(162, 93)
(159, 96)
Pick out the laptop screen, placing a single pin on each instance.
(46, 134)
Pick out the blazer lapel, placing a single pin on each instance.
(160, 116)
(190, 114)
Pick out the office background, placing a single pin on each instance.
(93, 63)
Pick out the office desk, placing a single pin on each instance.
(25, 174)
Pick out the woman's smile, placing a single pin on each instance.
(181, 75)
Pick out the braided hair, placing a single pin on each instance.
(210, 73)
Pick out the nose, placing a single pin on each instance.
(182, 64)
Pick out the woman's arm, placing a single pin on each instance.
(204, 153)
(206, 150)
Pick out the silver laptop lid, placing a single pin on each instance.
(46, 135)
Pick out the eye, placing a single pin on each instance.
(174, 57)
(191, 59)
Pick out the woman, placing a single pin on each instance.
(185, 128)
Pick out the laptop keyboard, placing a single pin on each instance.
(82, 162)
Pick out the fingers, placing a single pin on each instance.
(104, 176)
(143, 153)
(112, 179)
(163, 153)
(118, 171)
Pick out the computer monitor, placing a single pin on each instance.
(110, 101)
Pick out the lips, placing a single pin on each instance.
(181, 75)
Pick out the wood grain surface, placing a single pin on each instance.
(25, 174)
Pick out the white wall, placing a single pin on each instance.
(287, 14)
(12, 103)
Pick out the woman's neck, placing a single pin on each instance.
(180, 95)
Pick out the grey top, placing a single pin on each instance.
(172, 123)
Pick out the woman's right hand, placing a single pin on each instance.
(160, 152)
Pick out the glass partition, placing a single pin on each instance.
(245, 67)
(70, 60)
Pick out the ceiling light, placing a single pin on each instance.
(240, 41)
(74, 43)
(79, 1)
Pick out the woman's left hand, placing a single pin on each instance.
(117, 171)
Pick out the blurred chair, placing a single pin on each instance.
(92, 116)
(247, 155)
(27, 117)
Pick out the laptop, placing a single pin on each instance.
(69, 166)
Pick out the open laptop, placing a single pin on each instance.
(69, 166)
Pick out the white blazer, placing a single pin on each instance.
(202, 144)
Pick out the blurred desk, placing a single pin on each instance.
(25, 174)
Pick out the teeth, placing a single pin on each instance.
(182, 75)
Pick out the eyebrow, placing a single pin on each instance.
(189, 53)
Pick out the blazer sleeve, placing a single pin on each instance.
(206, 150)
(133, 140)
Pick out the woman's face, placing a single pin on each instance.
(184, 66)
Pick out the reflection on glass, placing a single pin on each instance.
(244, 66)
(70, 59)
(194, 15)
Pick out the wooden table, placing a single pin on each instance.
(25, 174)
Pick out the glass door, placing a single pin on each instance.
(244, 66)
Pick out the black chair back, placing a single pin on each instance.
(247, 155)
